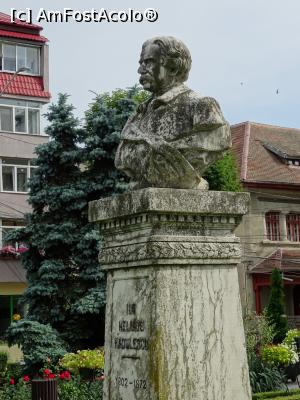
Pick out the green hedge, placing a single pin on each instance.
(293, 394)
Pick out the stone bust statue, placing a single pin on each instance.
(176, 134)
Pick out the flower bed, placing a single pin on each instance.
(69, 387)
(70, 384)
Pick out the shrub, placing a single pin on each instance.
(77, 390)
(14, 390)
(223, 174)
(276, 307)
(69, 391)
(281, 355)
(72, 389)
(3, 360)
(93, 359)
(15, 370)
(39, 343)
(264, 377)
(291, 335)
(258, 331)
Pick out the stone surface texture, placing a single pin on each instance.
(176, 134)
(174, 326)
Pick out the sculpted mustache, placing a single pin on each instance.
(145, 76)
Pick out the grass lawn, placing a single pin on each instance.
(282, 395)
(14, 352)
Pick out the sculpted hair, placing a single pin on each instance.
(177, 55)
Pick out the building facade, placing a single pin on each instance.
(268, 159)
(24, 91)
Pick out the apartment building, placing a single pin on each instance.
(24, 92)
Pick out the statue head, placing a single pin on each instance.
(165, 62)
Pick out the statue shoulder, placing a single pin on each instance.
(205, 111)
(205, 102)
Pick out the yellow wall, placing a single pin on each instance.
(12, 288)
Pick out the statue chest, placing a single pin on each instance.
(164, 122)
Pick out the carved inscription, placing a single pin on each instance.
(130, 339)
(131, 325)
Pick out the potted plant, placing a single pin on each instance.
(85, 363)
(292, 340)
(45, 387)
(284, 355)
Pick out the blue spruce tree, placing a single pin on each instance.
(66, 286)
(52, 233)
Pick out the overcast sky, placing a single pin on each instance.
(243, 52)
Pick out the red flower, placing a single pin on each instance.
(26, 378)
(51, 376)
(47, 371)
(12, 381)
(65, 375)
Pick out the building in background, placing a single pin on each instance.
(269, 163)
(24, 90)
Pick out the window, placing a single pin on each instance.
(20, 119)
(8, 177)
(14, 174)
(293, 227)
(16, 56)
(20, 116)
(9, 57)
(6, 118)
(32, 60)
(21, 56)
(33, 121)
(7, 226)
(272, 225)
(294, 162)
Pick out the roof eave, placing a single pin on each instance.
(270, 185)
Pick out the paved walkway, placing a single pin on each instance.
(293, 385)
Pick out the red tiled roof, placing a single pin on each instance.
(21, 35)
(285, 260)
(5, 19)
(23, 85)
(256, 162)
(19, 29)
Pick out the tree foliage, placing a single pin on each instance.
(54, 232)
(223, 174)
(66, 286)
(105, 119)
(39, 344)
(276, 307)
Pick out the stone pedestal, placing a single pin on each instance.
(174, 326)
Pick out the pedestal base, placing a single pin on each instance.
(174, 326)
